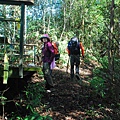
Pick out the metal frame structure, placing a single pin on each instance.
(22, 3)
(17, 2)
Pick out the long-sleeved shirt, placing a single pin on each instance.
(48, 52)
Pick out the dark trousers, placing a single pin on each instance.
(74, 62)
(47, 75)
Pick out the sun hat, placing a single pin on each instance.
(45, 36)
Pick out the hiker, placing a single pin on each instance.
(74, 49)
(47, 59)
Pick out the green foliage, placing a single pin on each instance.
(104, 62)
(3, 100)
(98, 84)
(117, 70)
(40, 72)
(34, 93)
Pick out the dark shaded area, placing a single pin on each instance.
(12, 91)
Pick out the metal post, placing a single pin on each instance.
(25, 26)
(21, 40)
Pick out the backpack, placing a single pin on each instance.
(73, 46)
(56, 51)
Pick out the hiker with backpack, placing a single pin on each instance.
(47, 58)
(74, 49)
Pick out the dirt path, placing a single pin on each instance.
(76, 100)
(66, 100)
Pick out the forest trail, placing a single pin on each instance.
(69, 98)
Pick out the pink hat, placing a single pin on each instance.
(45, 36)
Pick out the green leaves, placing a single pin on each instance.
(3, 100)
(6, 69)
(98, 84)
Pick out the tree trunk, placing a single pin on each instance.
(111, 43)
(64, 23)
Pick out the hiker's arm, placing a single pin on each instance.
(82, 48)
(51, 49)
(68, 51)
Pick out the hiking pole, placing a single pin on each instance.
(67, 65)
(82, 66)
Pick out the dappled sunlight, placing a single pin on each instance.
(72, 100)
(85, 72)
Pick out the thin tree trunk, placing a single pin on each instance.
(111, 43)
(43, 20)
(64, 23)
